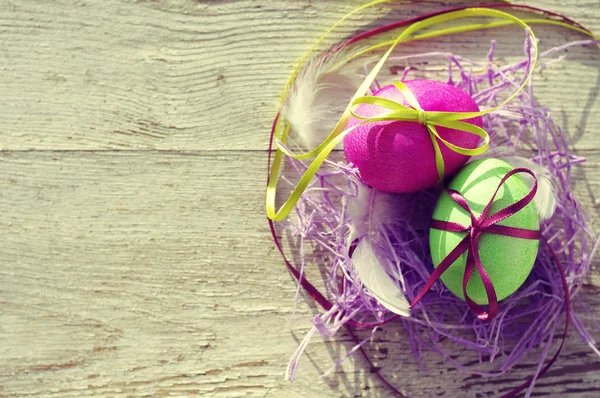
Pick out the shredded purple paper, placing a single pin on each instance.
(526, 320)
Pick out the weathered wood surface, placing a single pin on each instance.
(136, 260)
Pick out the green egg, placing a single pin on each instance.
(507, 260)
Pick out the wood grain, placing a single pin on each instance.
(136, 258)
(125, 277)
(183, 75)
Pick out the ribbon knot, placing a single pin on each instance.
(474, 232)
(422, 117)
(430, 119)
(479, 225)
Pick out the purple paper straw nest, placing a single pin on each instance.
(526, 320)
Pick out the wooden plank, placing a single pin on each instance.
(136, 256)
(189, 75)
(152, 273)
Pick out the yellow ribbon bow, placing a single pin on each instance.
(430, 119)
(398, 112)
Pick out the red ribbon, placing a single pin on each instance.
(323, 302)
(320, 298)
(470, 243)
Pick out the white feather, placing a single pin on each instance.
(369, 211)
(318, 98)
(374, 277)
(545, 197)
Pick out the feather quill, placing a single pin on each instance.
(318, 98)
(369, 212)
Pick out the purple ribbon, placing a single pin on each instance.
(470, 243)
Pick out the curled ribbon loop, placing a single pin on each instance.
(470, 243)
(281, 127)
(430, 119)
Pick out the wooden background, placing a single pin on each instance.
(135, 255)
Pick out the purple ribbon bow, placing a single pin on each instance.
(470, 243)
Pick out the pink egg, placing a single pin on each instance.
(399, 156)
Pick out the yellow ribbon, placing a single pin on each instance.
(462, 29)
(429, 119)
